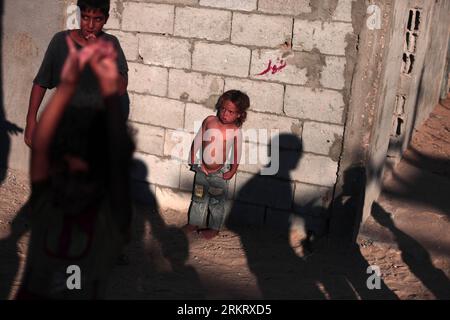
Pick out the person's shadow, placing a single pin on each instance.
(6, 128)
(9, 252)
(265, 232)
(342, 250)
(159, 252)
(415, 256)
(281, 273)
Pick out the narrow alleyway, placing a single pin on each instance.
(407, 237)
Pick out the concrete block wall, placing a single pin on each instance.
(183, 54)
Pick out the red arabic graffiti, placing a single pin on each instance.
(274, 68)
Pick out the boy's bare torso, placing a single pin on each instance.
(218, 138)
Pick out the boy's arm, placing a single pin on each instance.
(44, 80)
(237, 151)
(45, 129)
(197, 142)
(36, 96)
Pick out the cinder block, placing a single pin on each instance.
(221, 58)
(115, 15)
(176, 200)
(148, 17)
(149, 139)
(264, 96)
(332, 75)
(254, 157)
(195, 114)
(160, 171)
(194, 86)
(343, 11)
(320, 137)
(264, 190)
(186, 178)
(319, 105)
(165, 51)
(247, 5)
(185, 2)
(328, 37)
(315, 169)
(263, 60)
(311, 198)
(129, 43)
(147, 79)
(203, 23)
(261, 127)
(177, 145)
(157, 111)
(260, 30)
(289, 7)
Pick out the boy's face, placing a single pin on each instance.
(228, 113)
(92, 22)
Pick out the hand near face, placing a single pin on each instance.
(70, 72)
(103, 63)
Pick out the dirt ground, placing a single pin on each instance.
(412, 252)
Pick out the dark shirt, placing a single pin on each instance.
(87, 92)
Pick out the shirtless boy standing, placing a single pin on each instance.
(216, 138)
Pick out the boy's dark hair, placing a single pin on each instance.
(240, 100)
(103, 5)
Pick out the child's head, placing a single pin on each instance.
(102, 5)
(232, 106)
(94, 14)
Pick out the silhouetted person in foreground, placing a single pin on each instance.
(79, 171)
(415, 256)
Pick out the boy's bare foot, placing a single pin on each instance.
(209, 233)
(189, 228)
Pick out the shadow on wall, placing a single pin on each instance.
(6, 128)
(320, 271)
